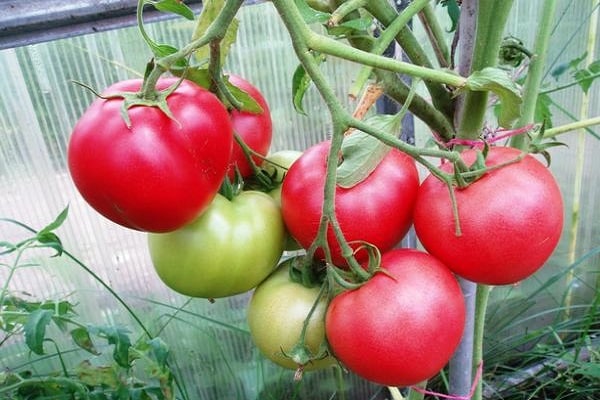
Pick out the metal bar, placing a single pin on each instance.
(33, 21)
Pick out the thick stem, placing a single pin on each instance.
(332, 47)
(491, 19)
(385, 13)
(535, 74)
(387, 37)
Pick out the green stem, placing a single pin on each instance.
(535, 74)
(383, 41)
(571, 127)
(344, 9)
(481, 301)
(441, 97)
(415, 394)
(436, 35)
(326, 45)
(216, 31)
(570, 84)
(491, 20)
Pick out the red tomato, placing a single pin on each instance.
(256, 130)
(378, 210)
(402, 327)
(160, 173)
(511, 220)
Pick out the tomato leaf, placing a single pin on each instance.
(362, 152)
(174, 6)
(35, 329)
(498, 82)
(301, 81)
(81, 337)
(310, 15)
(210, 11)
(119, 337)
(453, 12)
(248, 103)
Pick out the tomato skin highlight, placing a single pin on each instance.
(256, 130)
(402, 328)
(511, 220)
(159, 174)
(377, 210)
(276, 313)
(229, 249)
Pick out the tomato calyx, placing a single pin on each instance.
(145, 98)
(306, 271)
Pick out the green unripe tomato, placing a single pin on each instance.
(276, 313)
(227, 250)
(283, 158)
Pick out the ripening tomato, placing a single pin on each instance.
(377, 210)
(401, 327)
(256, 130)
(160, 173)
(276, 314)
(229, 249)
(511, 219)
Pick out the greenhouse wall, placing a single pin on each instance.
(216, 359)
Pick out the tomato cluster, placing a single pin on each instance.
(160, 170)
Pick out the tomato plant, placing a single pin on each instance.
(378, 210)
(255, 129)
(510, 219)
(402, 326)
(229, 249)
(276, 314)
(158, 173)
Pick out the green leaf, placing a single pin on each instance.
(301, 81)
(310, 15)
(81, 337)
(248, 103)
(197, 74)
(210, 11)
(94, 376)
(35, 329)
(543, 114)
(174, 6)
(351, 27)
(159, 349)
(498, 82)
(119, 337)
(362, 153)
(453, 12)
(58, 221)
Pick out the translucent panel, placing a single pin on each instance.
(40, 104)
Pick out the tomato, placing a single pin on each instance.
(256, 130)
(282, 158)
(158, 174)
(377, 210)
(229, 249)
(276, 313)
(402, 327)
(511, 220)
